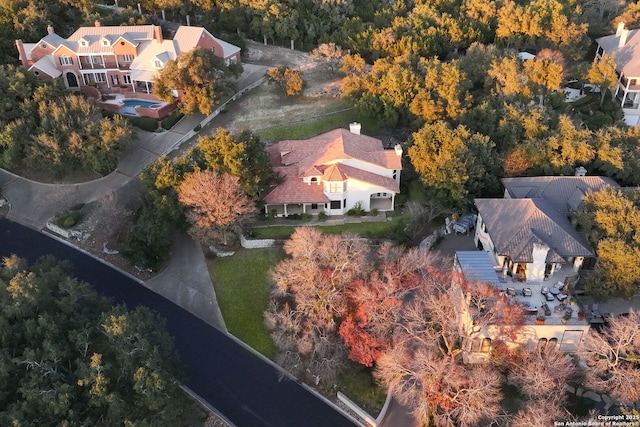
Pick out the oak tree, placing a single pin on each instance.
(216, 205)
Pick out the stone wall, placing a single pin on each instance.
(256, 243)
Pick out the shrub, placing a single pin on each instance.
(373, 212)
(144, 123)
(169, 121)
(357, 210)
(294, 216)
(69, 220)
(322, 216)
(197, 128)
(306, 217)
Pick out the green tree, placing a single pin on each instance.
(67, 357)
(200, 77)
(243, 156)
(329, 53)
(454, 163)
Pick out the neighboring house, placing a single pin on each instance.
(624, 46)
(546, 322)
(115, 59)
(334, 172)
(528, 234)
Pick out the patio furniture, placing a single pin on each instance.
(549, 296)
(547, 310)
(561, 297)
(511, 292)
(527, 292)
(554, 291)
(559, 285)
(544, 290)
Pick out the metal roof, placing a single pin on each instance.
(476, 266)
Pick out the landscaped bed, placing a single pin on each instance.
(379, 229)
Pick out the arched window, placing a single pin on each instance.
(542, 343)
(486, 345)
(553, 343)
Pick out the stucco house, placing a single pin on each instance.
(624, 46)
(555, 321)
(332, 173)
(528, 234)
(116, 59)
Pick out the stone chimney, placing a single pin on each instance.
(96, 23)
(580, 171)
(50, 29)
(355, 128)
(619, 29)
(22, 54)
(157, 33)
(398, 150)
(623, 37)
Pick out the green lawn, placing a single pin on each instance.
(367, 229)
(315, 126)
(242, 289)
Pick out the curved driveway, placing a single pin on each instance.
(242, 386)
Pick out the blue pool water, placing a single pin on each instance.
(129, 106)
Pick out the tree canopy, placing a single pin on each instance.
(67, 357)
(201, 77)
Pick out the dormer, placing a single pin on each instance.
(83, 42)
(312, 176)
(105, 42)
(159, 61)
(335, 181)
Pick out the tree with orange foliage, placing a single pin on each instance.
(216, 205)
(375, 303)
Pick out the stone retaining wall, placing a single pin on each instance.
(256, 243)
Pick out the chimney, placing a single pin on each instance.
(355, 128)
(50, 29)
(96, 23)
(398, 150)
(623, 38)
(580, 171)
(157, 33)
(22, 54)
(619, 29)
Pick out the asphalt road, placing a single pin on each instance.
(243, 387)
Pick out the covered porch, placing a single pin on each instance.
(286, 209)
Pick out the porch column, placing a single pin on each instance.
(133, 85)
(577, 263)
(266, 209)
(393, 201)
(618, 85)
(146, 84)
(304, 208)
(626, 91)
(285, 210)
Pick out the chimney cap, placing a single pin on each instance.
(355, 128)
(50, 29)
(97, 23)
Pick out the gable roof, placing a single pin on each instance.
(565, 193)
(188, 37)
(135, 34)
(516, 224)
(46, 65)
(626, 57)
(333, 146)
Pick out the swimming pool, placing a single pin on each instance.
(129, 106)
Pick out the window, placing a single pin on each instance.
(114, 80)
(43, 45)
(335, 187)
(395, 174)
(553, 343)
(95, 59)
(126, 79)
(105, 42)
(480, 345)
(84, 43)
(65, 60)
(88, 78)
(542, 343)
(314, 206)
(314, 179)
(335, 204)
(101, 77)
(127, 58)
(157, 63)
